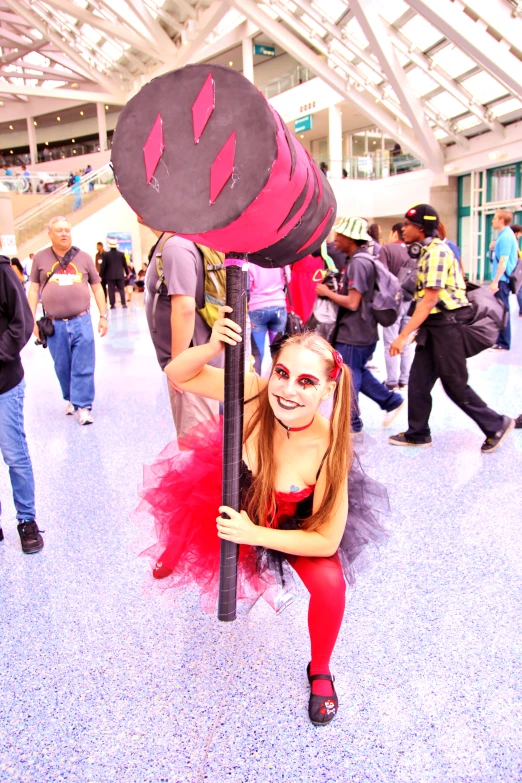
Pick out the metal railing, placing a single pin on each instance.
(63, 201)
(288, 80)
(375, 165)
(34, 183)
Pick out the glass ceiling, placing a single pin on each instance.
(104, 45)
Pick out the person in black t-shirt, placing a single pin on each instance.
(356, 331)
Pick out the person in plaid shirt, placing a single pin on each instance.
(441, 304)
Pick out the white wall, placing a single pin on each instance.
(384, 197)
(487, 150)
(272, 69)
(116, 216)
(290, 104)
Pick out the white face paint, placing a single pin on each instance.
(298, 385)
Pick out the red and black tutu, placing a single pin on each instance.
(182, 492)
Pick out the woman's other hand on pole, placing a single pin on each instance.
(225, 331)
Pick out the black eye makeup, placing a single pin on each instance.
(305, 381)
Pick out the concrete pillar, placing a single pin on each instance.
(248, 59)
(102, 126)
(31, 133)
(335, 142)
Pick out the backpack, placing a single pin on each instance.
(407, 278)
(387, 296)
(515, 278)
(214, 285)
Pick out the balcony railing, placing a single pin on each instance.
(375, 165)
(288, 80)
(63, 201)
(43, 183)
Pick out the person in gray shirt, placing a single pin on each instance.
(356, 334)
(174, 291)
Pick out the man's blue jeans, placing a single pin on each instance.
(504, 338)
(356, 356)
(268, 319)
(13, 446)
(72, 348)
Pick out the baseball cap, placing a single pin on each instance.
(423, 216)
(353, 227)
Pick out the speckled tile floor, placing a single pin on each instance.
(102, 682)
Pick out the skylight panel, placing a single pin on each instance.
(421, 82)
(317, 29)
(49, 85)
(501, 109)
(402, 58)
(36, 34)
(112, 50)
(439, 133)
(81, 3)
(447, 105)
(232, 19)
(369, 74)
(468, 122)
(331, 9)
(354, 28)
(483, 87)
(269, 11)
(336, 47)
(453, 61)
(90, 33)
(35, 58)
(391, 10)
(421, 32)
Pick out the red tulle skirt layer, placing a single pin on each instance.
(182, 492)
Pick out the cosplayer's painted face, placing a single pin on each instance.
(298, 385)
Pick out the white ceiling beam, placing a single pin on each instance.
(473, 38)
(445, 82)
(7, 16)
(17, 39)
(303, 54)
(162, 42)
(190, 53)
(104, 81)
(375, 32)
(119, 32)
(187, 8)
(35, 107)
(82, 72)
(85, 96)
(229, 41)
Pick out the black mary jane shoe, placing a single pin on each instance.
(322, 709)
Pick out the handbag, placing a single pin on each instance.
(294, 324)
(515, 278)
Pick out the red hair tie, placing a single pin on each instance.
(338, 360)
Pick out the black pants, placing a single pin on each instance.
(441, 355)
(120, 285)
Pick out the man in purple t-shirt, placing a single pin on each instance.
(62, 274)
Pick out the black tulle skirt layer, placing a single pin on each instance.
(182, 492)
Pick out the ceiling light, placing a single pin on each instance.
(11, 151)
(81, 113)
(73, 141)
(58, 119)
(1, 103)
(46, 143)
(107, 107)
(35, 123)
(74, 152)
(11, 127)
(301, 136)
(231, 63)
(74, 84)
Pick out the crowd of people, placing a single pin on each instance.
(297, 461)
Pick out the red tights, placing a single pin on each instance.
(324, 579)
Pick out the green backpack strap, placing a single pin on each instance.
(158, 259)
(214, 283)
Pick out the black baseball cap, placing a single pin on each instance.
(424, 216)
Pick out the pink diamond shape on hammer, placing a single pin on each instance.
(222, 168)
(153, 148)
(203, 107)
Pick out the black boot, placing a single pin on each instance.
(30, 537)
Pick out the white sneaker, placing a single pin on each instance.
(69, 409)
(390, 416)
(85, 416)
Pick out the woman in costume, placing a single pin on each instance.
(296, 479)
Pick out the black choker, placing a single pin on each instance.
(294, 429)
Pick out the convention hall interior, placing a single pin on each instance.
(110, 673)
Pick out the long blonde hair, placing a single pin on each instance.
(261, 503)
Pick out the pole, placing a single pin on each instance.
(236, 280)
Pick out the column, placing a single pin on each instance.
(31, 133)
(102, 126)
(335, 142)
(248, 59)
